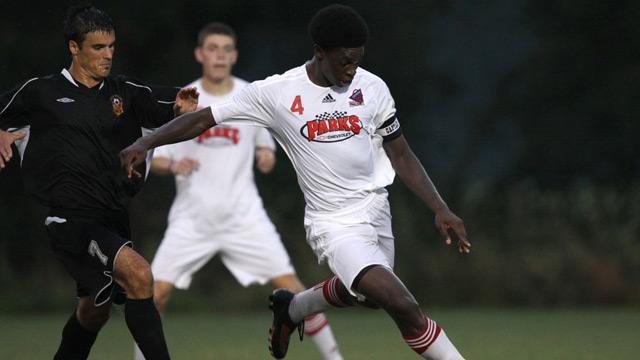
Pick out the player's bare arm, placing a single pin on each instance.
(413, 174)
(161, 165)
(6, 140)
(184, 127)
(265, 159)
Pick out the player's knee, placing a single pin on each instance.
(93, 318)
(138, 282)
(403, 305)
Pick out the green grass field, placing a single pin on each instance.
(480, 334)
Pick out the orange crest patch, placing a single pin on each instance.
(117, 105)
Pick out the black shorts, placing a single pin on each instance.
(88, 248)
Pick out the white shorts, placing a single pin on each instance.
(349, 242)
(253, 254)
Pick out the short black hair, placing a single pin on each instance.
(83, 19)
(338, 26)
(215, 28)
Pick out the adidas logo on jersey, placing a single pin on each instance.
(65, 100)
(328, 99)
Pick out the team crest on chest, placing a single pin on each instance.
(117, 105)
(326, 127)
(356, 98)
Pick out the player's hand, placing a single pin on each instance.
(184, 167)
(447, 220)
(6, 140)
(265, 160)
(186, 101)
(132, 156)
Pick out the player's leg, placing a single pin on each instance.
(182, 252)
(326, 239)
(161, 293)
(380, 285)
(133, 273)
(69, 242)
(316, 326)
(81, 330)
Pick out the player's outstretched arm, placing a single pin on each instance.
(184, 127)
(6, 140)
(412, 173)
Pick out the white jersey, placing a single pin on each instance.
(331, 134)
(222, 193)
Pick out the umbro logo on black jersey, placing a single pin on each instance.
(65, 100)
(328, 99)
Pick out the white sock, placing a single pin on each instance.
(137, 354)
(442, 349)
(432, 343)
(315, 300)
(317, 328)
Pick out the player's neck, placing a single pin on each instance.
(215, 87)
(82, 76)
(315, 75)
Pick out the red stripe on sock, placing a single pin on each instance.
(421, 342)
(314, 324)
(330, 292)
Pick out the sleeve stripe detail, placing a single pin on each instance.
(166, 102)
(138, 85)
(388, 122)
(392, 136)
(14, 95)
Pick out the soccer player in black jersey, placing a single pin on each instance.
(77, 122)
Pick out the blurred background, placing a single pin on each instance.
(525, 114)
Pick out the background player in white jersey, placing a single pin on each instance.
(217, 208)
(329, 115)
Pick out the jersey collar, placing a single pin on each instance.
(68, 76)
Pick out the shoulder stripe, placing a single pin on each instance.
(166, 102)
(138, 85)
(14, 95)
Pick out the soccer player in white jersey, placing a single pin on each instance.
(217, 209)
(329, 115)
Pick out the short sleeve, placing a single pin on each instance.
(387, 124)
(251, 106)
(264, 139)
(153, 106)
(13, 107)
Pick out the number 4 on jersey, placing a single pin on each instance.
(297, 105)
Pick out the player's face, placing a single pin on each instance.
(339, 65)
(95, 55)
(217, 55)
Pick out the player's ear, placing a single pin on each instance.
(234, 57)
(318, 52)
(74, 48)
(197, 52)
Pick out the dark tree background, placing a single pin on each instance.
(524, 113)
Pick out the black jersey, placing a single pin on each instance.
(75, 135)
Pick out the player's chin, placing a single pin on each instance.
(104, 71)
